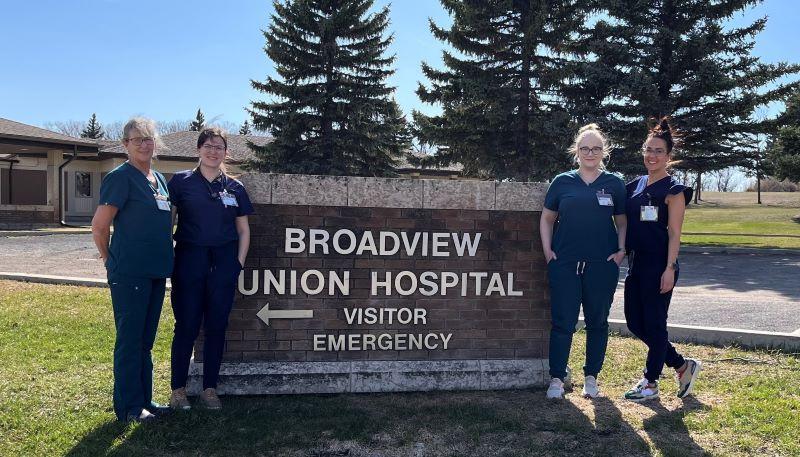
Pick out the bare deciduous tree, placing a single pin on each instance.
(71, 128)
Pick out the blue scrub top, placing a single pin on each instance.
(141, 245)
(651, 236)
(585, 230)
(203, 219)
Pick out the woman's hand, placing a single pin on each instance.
(667, 280)
(549, 255)
(617, 257)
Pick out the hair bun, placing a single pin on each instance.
(588, 127)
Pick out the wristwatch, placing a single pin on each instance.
(672, 265)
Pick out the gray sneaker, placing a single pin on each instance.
(210, 400)
(687, 377)
(178, 400)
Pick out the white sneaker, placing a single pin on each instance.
(687, 377)
(590, 389)
(642, 391)
(556, 389)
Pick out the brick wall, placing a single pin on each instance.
(16, 218)
(494, 327)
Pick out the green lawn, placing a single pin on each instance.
(734, 219)
(55, 399)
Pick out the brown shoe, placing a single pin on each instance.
(178, 400)
(210, 400)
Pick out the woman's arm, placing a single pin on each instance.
(676, 209)
(621, 222)
(243, 229)
(101, 228)
(546, 223)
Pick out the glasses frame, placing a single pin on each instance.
(211, 147)
(595, 151)
(655, 152)
(140, 140)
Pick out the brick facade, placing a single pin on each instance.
(495, 327)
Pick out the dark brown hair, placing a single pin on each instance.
(211, 132)
(663, 130)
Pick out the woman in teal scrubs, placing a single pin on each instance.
(138, 259)
(582, 229)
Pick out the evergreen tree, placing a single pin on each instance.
(680, 58)
(245, 128)
(505, 112)
(198, 123)
(93, 129)
(784, 153)
(331, 111)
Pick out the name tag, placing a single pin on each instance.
(604, 199)
(648, 213)
(162, 202)
(228, 199)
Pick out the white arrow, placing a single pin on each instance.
(266, 314)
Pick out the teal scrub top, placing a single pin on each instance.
(585, 229)
(141, 245)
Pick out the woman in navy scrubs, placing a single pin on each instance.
(211, 244)
(583, 256)
(655, 207)
(138, 260)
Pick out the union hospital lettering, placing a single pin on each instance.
(382, 283)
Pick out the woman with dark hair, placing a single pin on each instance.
(655, 208)
(211, 244)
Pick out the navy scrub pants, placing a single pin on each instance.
(137, 306)
(646, 311)
(572, 284)
(203, 286)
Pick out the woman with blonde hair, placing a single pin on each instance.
(582, 229)
(138, 259)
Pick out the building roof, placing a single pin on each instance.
(184, 145)
(20, 131)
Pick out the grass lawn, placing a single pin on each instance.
(55, 399)
(735, 219)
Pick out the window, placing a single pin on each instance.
(83, 184)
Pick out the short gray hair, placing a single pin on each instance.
(144, 126)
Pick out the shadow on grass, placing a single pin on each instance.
(667, 429)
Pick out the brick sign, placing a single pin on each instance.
(367, 284)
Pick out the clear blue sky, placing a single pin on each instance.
(64, 60)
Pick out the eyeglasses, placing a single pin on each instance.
(211, 147)
(137, 141)
(658, 152)
(597, 150)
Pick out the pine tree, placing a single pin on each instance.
(505, 113)
(681, 58)
(784, 154)
(331, 111)
(245, 128)
(93, 129)
(198, 123)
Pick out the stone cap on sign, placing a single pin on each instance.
(278, 189)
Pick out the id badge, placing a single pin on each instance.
(604, 199)
(228, 199)
(648, 213)
(162, 202)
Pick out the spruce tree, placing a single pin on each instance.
(93, 129)
(505, 108)
(198, 123)
(784, 153)
(245, 128)
(330, 110)
(680, 58)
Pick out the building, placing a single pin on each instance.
(47, 178)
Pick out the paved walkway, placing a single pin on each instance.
(754, 290)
